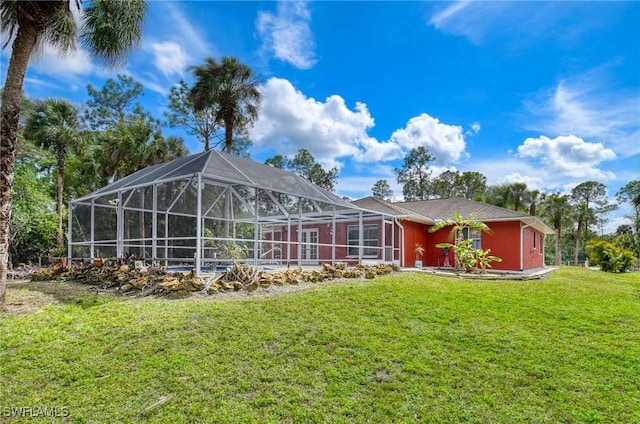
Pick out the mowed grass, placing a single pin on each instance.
(403, 348)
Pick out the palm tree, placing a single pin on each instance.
(517, 191)
(134, 145)
(111, 29)
(230, 88)
(534, 197)
(558, 210)
(53, 124)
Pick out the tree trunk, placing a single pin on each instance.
(578, 233)
(558, 253)
(21, 51)
(60, 189)
(228, 135)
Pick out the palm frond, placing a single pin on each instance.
(112, 28)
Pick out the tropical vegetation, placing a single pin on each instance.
(111, 29)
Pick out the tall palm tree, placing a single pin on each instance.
(53, 125)
(230, 88)
(111, 28)
(557, 209)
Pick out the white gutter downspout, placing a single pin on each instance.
(401, 241)
(522, 245)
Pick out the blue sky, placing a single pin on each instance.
(546, 93)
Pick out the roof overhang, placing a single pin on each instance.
(529, 221)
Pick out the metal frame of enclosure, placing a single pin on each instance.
(212, 208)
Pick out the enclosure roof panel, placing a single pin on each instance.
(225, 168)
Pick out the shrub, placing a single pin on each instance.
(610, 257)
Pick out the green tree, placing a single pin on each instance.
(590, 200)
(111, 29)
(415, 175)
(517, 192)
(498, 195)
(382, 190)
(534, 198)
(33, 227)
(202, 124)
(53, 125)
(230, 90)
(278, 161)
(557, 210)
(133, 145)
(305, 165)
(113, 103)
(446, 184)
(471, 185)
(630, 193)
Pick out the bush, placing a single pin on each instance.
(610, 257)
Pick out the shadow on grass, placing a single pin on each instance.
(26, 296)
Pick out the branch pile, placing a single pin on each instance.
(119, 274)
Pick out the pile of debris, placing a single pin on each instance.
(127, 278)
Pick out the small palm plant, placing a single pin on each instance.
(467, 258)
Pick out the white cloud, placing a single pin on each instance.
(51, 63)
(443, 17)
(569, 155)
(170, 58)
(475, 129)
(532, 182)
(584, 108)
(184, 30)
(287, 34)
(329, 129)
(445, 142)
(515, 23)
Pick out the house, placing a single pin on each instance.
(517, 238)
(211, 209)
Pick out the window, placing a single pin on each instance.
(369, 240)
(473, 234)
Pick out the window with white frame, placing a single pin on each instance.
(473, 234)
(369, 240)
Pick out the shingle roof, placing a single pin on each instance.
(434, 210)
(379, 205)
(441, 209)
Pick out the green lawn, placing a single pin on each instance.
(403, 348)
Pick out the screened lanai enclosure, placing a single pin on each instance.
(211, 209)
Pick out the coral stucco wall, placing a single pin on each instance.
(504, 242)
(533, 248)
(414, 233)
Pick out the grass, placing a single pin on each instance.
(403, 348)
